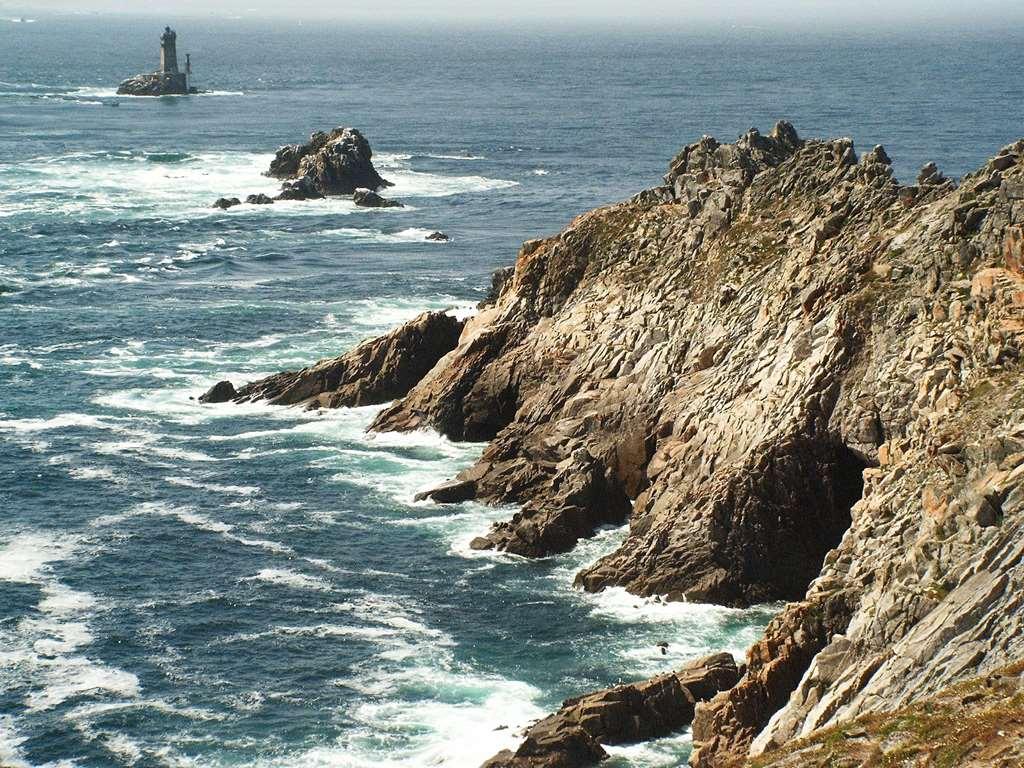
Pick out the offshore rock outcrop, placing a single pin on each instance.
(366, 198)
(376, 371)
(624, 714)
(331, 163)
(803, 376)
(156, 84)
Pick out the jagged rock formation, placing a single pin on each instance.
(339, 162)
(374, 372)
(221, 392)
(621, 715)
(804, 378)
(334, 163)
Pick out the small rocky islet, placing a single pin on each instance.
(797, 379)
(331, 164)
(168, 80)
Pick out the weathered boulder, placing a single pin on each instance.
(451, 492)
(367, 198)
(301, 189)
(375, 372)
(334, 163)
(226, 202)
(260, 199)
(438, 237)
(220, 392)
(155, 84)
(572, 737)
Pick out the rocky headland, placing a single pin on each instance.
(798, 379)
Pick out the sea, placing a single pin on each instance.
(250, 585)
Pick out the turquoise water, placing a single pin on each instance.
(186, 585)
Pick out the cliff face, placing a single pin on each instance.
(798, 372)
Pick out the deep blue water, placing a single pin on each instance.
(215, 586)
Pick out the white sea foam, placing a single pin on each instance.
(240, 490)
(10, 744)
(99, 709)
(67, 678)
(430, 715)
(410, 235)
(665, 752)
(112, 92)
(61, 600)
(95, 473)
(61, 421)
(38, 648)
(183, 186)
(26, 557)
(293, 579)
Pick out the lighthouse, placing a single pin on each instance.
(166, 81)
(169, 51)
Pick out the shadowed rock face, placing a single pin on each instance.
(334, 163)
(375, 372)
(624, 714)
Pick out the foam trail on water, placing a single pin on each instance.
(40, 652)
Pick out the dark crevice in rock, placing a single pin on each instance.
(769, 531)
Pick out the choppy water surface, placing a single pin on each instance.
(217, 586)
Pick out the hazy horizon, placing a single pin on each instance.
(874, 15)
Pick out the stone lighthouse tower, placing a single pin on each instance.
(168, 80)
(169, 51)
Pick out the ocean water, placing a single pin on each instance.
(187, 585)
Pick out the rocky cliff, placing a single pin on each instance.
(797, 379)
